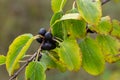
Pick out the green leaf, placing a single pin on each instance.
(110, 47)
(116, 28)
(57, 5)
(17, 50)
(57, 30)
(73, 10)
(90, 10)
(56, 17)
(2, 59)
(52, 62)
(35, 71)
(76, 28)
(104, 26)
(93, 60)
(75, 16)
(70, 54)
(69, 24)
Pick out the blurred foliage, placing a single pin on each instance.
(28, 16)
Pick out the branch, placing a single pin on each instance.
(105, 1)
(27, 62)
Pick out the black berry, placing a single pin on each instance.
(89, 31)
(42, 31)
(48, 36)
(39, 40)
(39, 57)
(46, 46)
(53, 46)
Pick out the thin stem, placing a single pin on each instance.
(62, 3)
(27, 62)
(27, 56)
(73, 6)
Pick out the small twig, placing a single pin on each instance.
(105, 1)
(73, 6)
(27, 62)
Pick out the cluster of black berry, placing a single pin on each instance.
(47, 39)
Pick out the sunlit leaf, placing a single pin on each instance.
(70, 54)
(110, 47)
(75, 16)
(116, 28)
(90, 10)
(2, 59)
(35, 71)
(92, 58)
(57, 5)
(16, 51)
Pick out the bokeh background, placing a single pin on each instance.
(28, 16)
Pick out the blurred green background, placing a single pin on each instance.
(28, 16)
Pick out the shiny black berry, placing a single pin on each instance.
(42, 31)
(39, 40)
(48, 36)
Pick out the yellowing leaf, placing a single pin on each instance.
(90, 10)
(35, 71)
(104, 26)
(116, 28)
(51, 62)
(92, 58)
(16, 51)
(110, 47)
(2, 59)
(70, 54)
(76, 28)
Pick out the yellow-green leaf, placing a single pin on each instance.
(90, 10)
(51, 62)
(92, 58)
(56, 17)
(16, 51)
(76, 28)
(75, 16)
(2, 59)
(57, 5)
(116, 28)
(70, 54)
(35, 71)
(71, 24)
(104, 26)
(110, 47)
